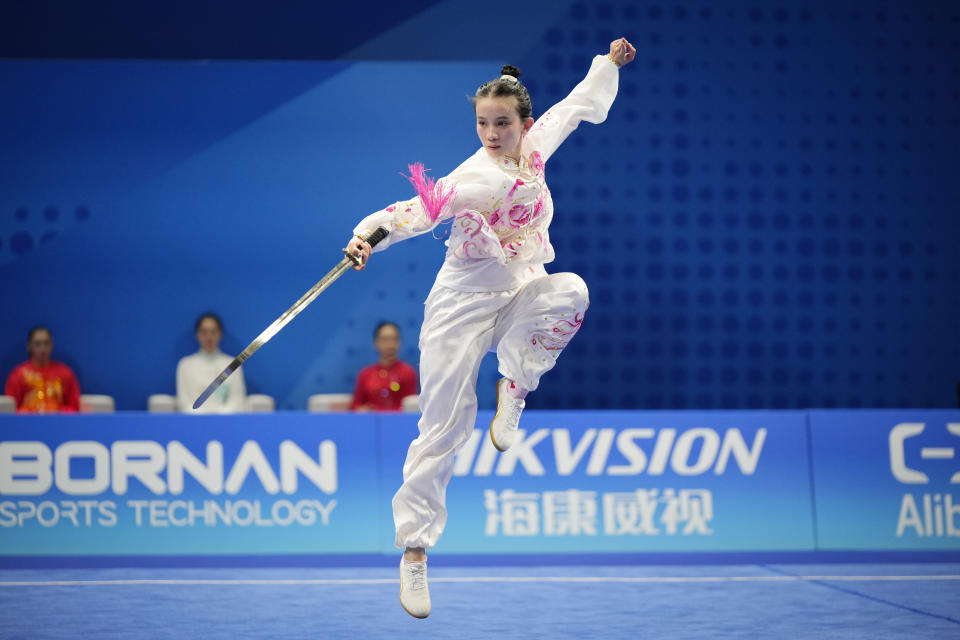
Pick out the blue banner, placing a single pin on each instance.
(634, 482)
(575, 482)
(887, 479)
(169, 484)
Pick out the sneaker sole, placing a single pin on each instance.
(408, 610)
(426, 615)
(492, 439)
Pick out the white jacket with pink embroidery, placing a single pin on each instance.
(500, 209)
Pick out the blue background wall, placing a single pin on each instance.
(765, 220)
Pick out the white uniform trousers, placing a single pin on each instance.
(528, 327)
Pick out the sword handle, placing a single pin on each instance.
(372, 240)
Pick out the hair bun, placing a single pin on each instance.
(510, 70)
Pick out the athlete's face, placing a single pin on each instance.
(500, 127)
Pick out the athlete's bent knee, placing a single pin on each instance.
(576, 286)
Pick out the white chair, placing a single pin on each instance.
(327, 402)
(8, 404)
(260, 403)
(161, 403)
(411, 404)
(96, 403)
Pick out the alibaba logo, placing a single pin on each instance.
(898, 459)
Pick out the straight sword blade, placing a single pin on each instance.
(288, 315)
(274, 328)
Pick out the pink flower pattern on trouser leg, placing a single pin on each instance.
(536, 326)
(458, 330)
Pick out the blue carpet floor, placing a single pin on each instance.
(670, 602)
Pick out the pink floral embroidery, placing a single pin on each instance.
(519, 216)
(542, 122)
(538, 205)
(536, 161)
(561, 333)
(567, 328)
(471, 224)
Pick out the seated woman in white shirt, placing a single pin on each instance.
(195, 372)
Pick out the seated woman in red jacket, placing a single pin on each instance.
(384, 385)
(43, 385)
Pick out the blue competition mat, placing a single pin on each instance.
(739, 601)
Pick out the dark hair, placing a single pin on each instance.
(386, 323)
(204, 316)
(39, 327)
(501, 88)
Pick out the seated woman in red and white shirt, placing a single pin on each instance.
(41, 384)
(383, 386)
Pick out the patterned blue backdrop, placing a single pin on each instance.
(765, 220)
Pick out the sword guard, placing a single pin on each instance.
(356, 260)
(372, 240)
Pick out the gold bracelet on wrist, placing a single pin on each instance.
(609, 57)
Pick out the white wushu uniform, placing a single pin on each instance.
(491, 293)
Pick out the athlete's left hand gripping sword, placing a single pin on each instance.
(347, 263)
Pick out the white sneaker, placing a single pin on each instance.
(503, 427)
(414, 592)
